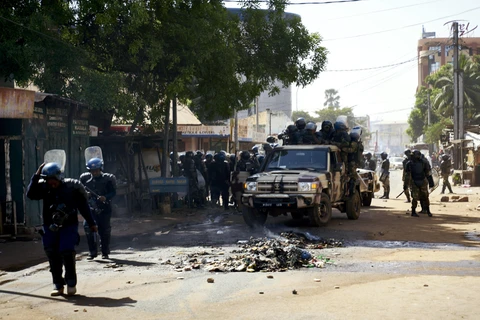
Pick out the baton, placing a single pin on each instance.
(400, 194)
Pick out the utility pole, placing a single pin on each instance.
(237, 142)
(429, 105)
(458, 113)
(256, 114)
(174, 136)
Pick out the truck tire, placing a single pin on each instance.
(321, 214)
(353, 205)
(367, 199)
(254, 218)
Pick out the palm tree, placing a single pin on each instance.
(332, 99)
(443, 101)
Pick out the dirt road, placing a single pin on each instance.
(392, 266)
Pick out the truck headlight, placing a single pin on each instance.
(250, 186)
(307, 186)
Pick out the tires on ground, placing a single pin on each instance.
(321, 214)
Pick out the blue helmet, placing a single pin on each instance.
(221, 156)
(52, 170)
(339, 126)
(95, 163)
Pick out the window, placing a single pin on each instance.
(297, 159)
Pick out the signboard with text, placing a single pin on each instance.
(204, 131)
(164, 185)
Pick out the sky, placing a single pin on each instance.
(370, 34)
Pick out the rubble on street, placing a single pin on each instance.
(286, 252)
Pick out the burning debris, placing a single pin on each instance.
(286, 252)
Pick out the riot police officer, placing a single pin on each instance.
(311, 136)
(370, 164)
(102, 187)
(419, 178)
(219, 179)
(298, 135)
(61, 200)
(190, 171)
(341, 139)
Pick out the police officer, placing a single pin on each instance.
(326, 132)
(445, 168)
(355, 151)
(190, 171)
(370, 164)
(419, 178)
(219, 179)
(406, 187)
(61, 200)
(298, 135)
(385, 175)
(341, 139)
(311, 136)
(102, 187)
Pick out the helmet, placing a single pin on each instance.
(245, 155)
(291, 128)
(368, 155)
(171, 156)
(358, 131)
(384, 155)
(255, 150)
(95, 163)
(300, 123)
(232, 158)
(327, 125)
(407, 152)
(271, 139)
(417, 154)
(354, 136)
(445, 157)
(260, 159)
(189, 154)
(199, 154)
(311, 126)
(209, 156)
(340, 125)
(221, 156)
(52, 170)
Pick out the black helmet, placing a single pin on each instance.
(255, 149)
(355, 136)
(417, 154)
(189, 154)
(368, 155)
(291, 128)
(407, 152)
(300, 123)
(384, 155)
(327, 125)
(209, 156)
(232, 158)
(199, 153)
(271, 139)
(245, 155)
(311, 126)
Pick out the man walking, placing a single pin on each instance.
(419, 178)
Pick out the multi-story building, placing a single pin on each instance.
(389, 136)
(436, 52)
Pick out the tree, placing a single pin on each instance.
(331, 113)
(332, 99)
(303, 114)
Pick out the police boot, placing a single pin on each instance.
(423, 207)
(428, 212)
(450, 189)
(384, 195)
(443, 190)
(414, 214)
(387, 194)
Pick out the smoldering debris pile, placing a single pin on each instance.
(287, 252)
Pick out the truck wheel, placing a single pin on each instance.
(367, 199)
(254, 218)
(321, 214)
(353, 205)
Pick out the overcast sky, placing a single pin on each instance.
(348, 30)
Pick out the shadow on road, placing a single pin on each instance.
(79, 300)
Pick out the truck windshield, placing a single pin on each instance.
(314, 160)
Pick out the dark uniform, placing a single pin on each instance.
(326, 132)
(445, 168)
(370, 164)
(190, 171)
(103, 185)
(419, 178)
(219, 179)
(310, 135)
(60, 231)
(341, 139)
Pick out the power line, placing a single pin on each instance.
(373, 68)
(400, 28)
(298, 3)
(383, 10)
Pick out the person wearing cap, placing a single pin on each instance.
(101, 187)
(62, 199)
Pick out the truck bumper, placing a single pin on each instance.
(288, 201)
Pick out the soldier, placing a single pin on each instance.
(208, 162)
(370, 164)
(385, 175)
(300, 133)
(445, 168)
(355, 151)
(406, 187)
(311, 136)
(326, 132)
(419, 178)
(102, 187)
(341, 139)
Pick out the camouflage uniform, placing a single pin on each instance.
(406, 187)
(419, 177)
(445, 167)
(385, 178)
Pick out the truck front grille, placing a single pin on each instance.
(277, 187)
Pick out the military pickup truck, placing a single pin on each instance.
(303, 180)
